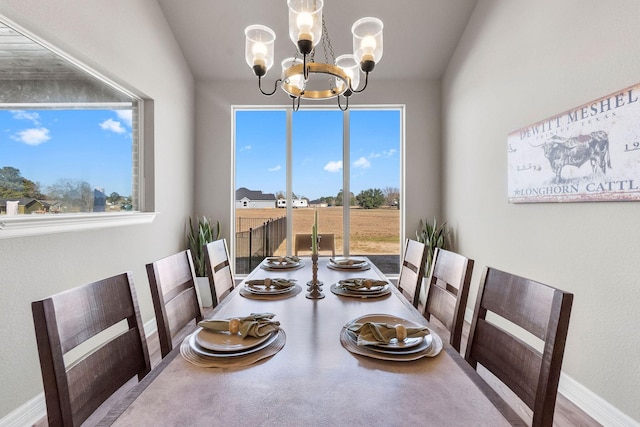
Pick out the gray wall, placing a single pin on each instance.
(130, 42)
(518, 63)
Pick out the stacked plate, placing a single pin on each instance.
(224, 344)
(282, 263)
(361, 288)
(406, 350)
(269, 286)
(353, 264)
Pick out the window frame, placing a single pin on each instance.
(142, 170)
(346, 166)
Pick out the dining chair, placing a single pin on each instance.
(412, 270)
(75, 389)
(175, 299)
(326, 243)
(541, 310)
(448, 292)
(219, 271)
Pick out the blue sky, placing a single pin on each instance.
(88, 145)
(317, 151)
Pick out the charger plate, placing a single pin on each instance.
(349, 341)
(188, 353)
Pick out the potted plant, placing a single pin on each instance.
(199, 234)
(433, 236)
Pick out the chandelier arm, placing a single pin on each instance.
(296, 105)
(346, 107)
(305, 70)
(275, 86)
(366, 81)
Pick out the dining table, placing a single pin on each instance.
(315, 376)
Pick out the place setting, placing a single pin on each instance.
(270, 288)
(348, 264)
(239, 341)
(387, 337)
(282, 263)
(361, 288)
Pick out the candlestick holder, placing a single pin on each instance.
(314, 286)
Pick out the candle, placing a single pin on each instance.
(314, 234)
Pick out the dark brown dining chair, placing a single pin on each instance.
(448, 292)
(175, 300)
(327, 243)
(74, 390)
(412, 270)
(541, 310)
(219, 271)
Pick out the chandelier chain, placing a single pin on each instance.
(327, 47)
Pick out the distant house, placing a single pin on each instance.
(297, 203)
(26, 206)
(317, 204)
(246, 198)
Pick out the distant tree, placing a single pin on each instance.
(340, 201)
(76, 194)
(14, 186)
(371, 198)
(114, 198)
(391, 196)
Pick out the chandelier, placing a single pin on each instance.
(304, 78)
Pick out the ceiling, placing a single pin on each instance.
(420, 36)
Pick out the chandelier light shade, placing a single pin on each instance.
(302, 76)
(259, 45)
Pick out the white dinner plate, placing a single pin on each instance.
(259, 289)
(363, 290)
(340, 263)
(210, 353)
(408, 346)
(225, 341)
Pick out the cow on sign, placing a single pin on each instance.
(576, 151)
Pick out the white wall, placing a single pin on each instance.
(130, 42)
(518, 63)
(213, 151)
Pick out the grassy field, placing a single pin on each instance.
(373, 231)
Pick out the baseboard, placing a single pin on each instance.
(588, 402)
(593, 405)
(26, 415)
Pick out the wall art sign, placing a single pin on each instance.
(589, 153)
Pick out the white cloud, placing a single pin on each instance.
(374, 155)
(333, 166)
(275, 169)
(23, 115)
(245, 148)
(362, 163)
(390, 153)
(112, 126)
(125, 116)
(35, 136)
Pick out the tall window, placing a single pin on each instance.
(327, 151)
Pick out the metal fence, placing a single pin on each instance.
(256, 239)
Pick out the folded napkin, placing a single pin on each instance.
(255, 325)
(360, 284)
(370, 333)
(346, 261)
(277, 283)
(283, 260)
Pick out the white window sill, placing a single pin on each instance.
(32, 225)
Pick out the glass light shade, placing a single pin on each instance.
(295, 80)
(305, 20)
(367, 39)
(351, 67)
(259, 46)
